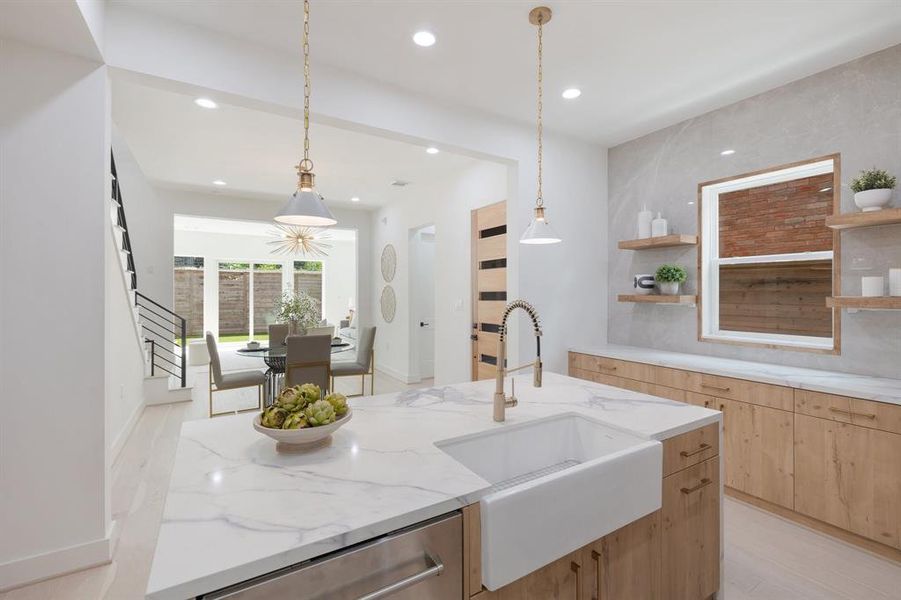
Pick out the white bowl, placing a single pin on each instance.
(870, 200)
(302, 437)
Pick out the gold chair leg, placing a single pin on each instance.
(363, 385)
(211, 389)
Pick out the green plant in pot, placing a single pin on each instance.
(669, 278)
(872, 189)
(299, 310)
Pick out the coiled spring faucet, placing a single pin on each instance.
(501, 400)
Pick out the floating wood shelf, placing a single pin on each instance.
(665, 241)
(878, 302)
(886, 216)
(657, 299)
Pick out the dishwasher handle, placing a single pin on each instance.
(436, 568)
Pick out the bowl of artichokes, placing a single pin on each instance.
(302, 415)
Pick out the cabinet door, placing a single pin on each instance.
(625, 565)
(690, 537)
(758, 451)
(849, 476)
(561, 580)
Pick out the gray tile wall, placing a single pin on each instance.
(853, 109)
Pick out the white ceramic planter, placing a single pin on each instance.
(870, 200)
(668, 288)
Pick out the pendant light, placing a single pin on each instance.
(306, 207)
(539, 230)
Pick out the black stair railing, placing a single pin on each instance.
(163, 329)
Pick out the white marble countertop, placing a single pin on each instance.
(237, 509)
(880, 389)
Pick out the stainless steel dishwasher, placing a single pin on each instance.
(422, 562)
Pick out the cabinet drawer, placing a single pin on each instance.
(866, 413)
(612, 366)
(762, 394)
(690, 448)
(676, 378)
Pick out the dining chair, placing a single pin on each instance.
(328, 330)
(231, 381)
(308, 360)
(277, 334)
(364, 364)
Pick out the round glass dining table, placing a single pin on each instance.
(275, 357)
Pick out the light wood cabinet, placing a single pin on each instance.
(866, 413)
(761, 394)
(690, 448)
(690, 532)
(563, 579)
(625, 565)
(849, 476)
(758, 451)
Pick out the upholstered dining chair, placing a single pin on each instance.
(231, 381)
(364, 364)
(308, 360)
(277, 334)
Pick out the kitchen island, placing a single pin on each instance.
(238, 509)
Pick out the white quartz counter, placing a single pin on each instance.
(880, 389)
(237, 508)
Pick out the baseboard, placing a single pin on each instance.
(123, 436)
(402, 377)
(33, 569)
(873, 547)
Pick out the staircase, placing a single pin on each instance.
(161, 329)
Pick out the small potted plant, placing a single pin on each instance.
(669, 278)
(299, 310)
(872, 189)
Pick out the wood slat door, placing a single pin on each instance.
(489, 285)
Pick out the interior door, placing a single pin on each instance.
(489, 285)
(424, 300)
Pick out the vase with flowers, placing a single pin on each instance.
(299, 310)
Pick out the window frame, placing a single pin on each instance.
(709, 261)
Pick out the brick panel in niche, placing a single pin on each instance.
(777, 219)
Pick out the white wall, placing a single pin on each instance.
(447, 204)
(339, 267)
(54, 191)
(566, 283)
(125, 361)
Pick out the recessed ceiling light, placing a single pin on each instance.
(727, 152)
(424, 38)
(691, 203)
(571, 93)
(219, 182)
(432, 150)
(355, 199)
(205, 103)
(826, 189)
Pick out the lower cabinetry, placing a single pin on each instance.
(849, 476)
(831, 462)
(672, 553)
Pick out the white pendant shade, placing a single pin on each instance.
(305, 207)
(540, 231)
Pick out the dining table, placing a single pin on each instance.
(275, 358)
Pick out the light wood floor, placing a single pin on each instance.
(767, 558)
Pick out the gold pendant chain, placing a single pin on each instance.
(306, 164)
(539, 201)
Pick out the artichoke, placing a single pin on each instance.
(273, 417)
(295, 420)
(338, 402)
(310, 391)
(291, 400)
(320, 413)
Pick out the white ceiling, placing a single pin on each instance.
(180, 145)
(642, 65)
(246, 228)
